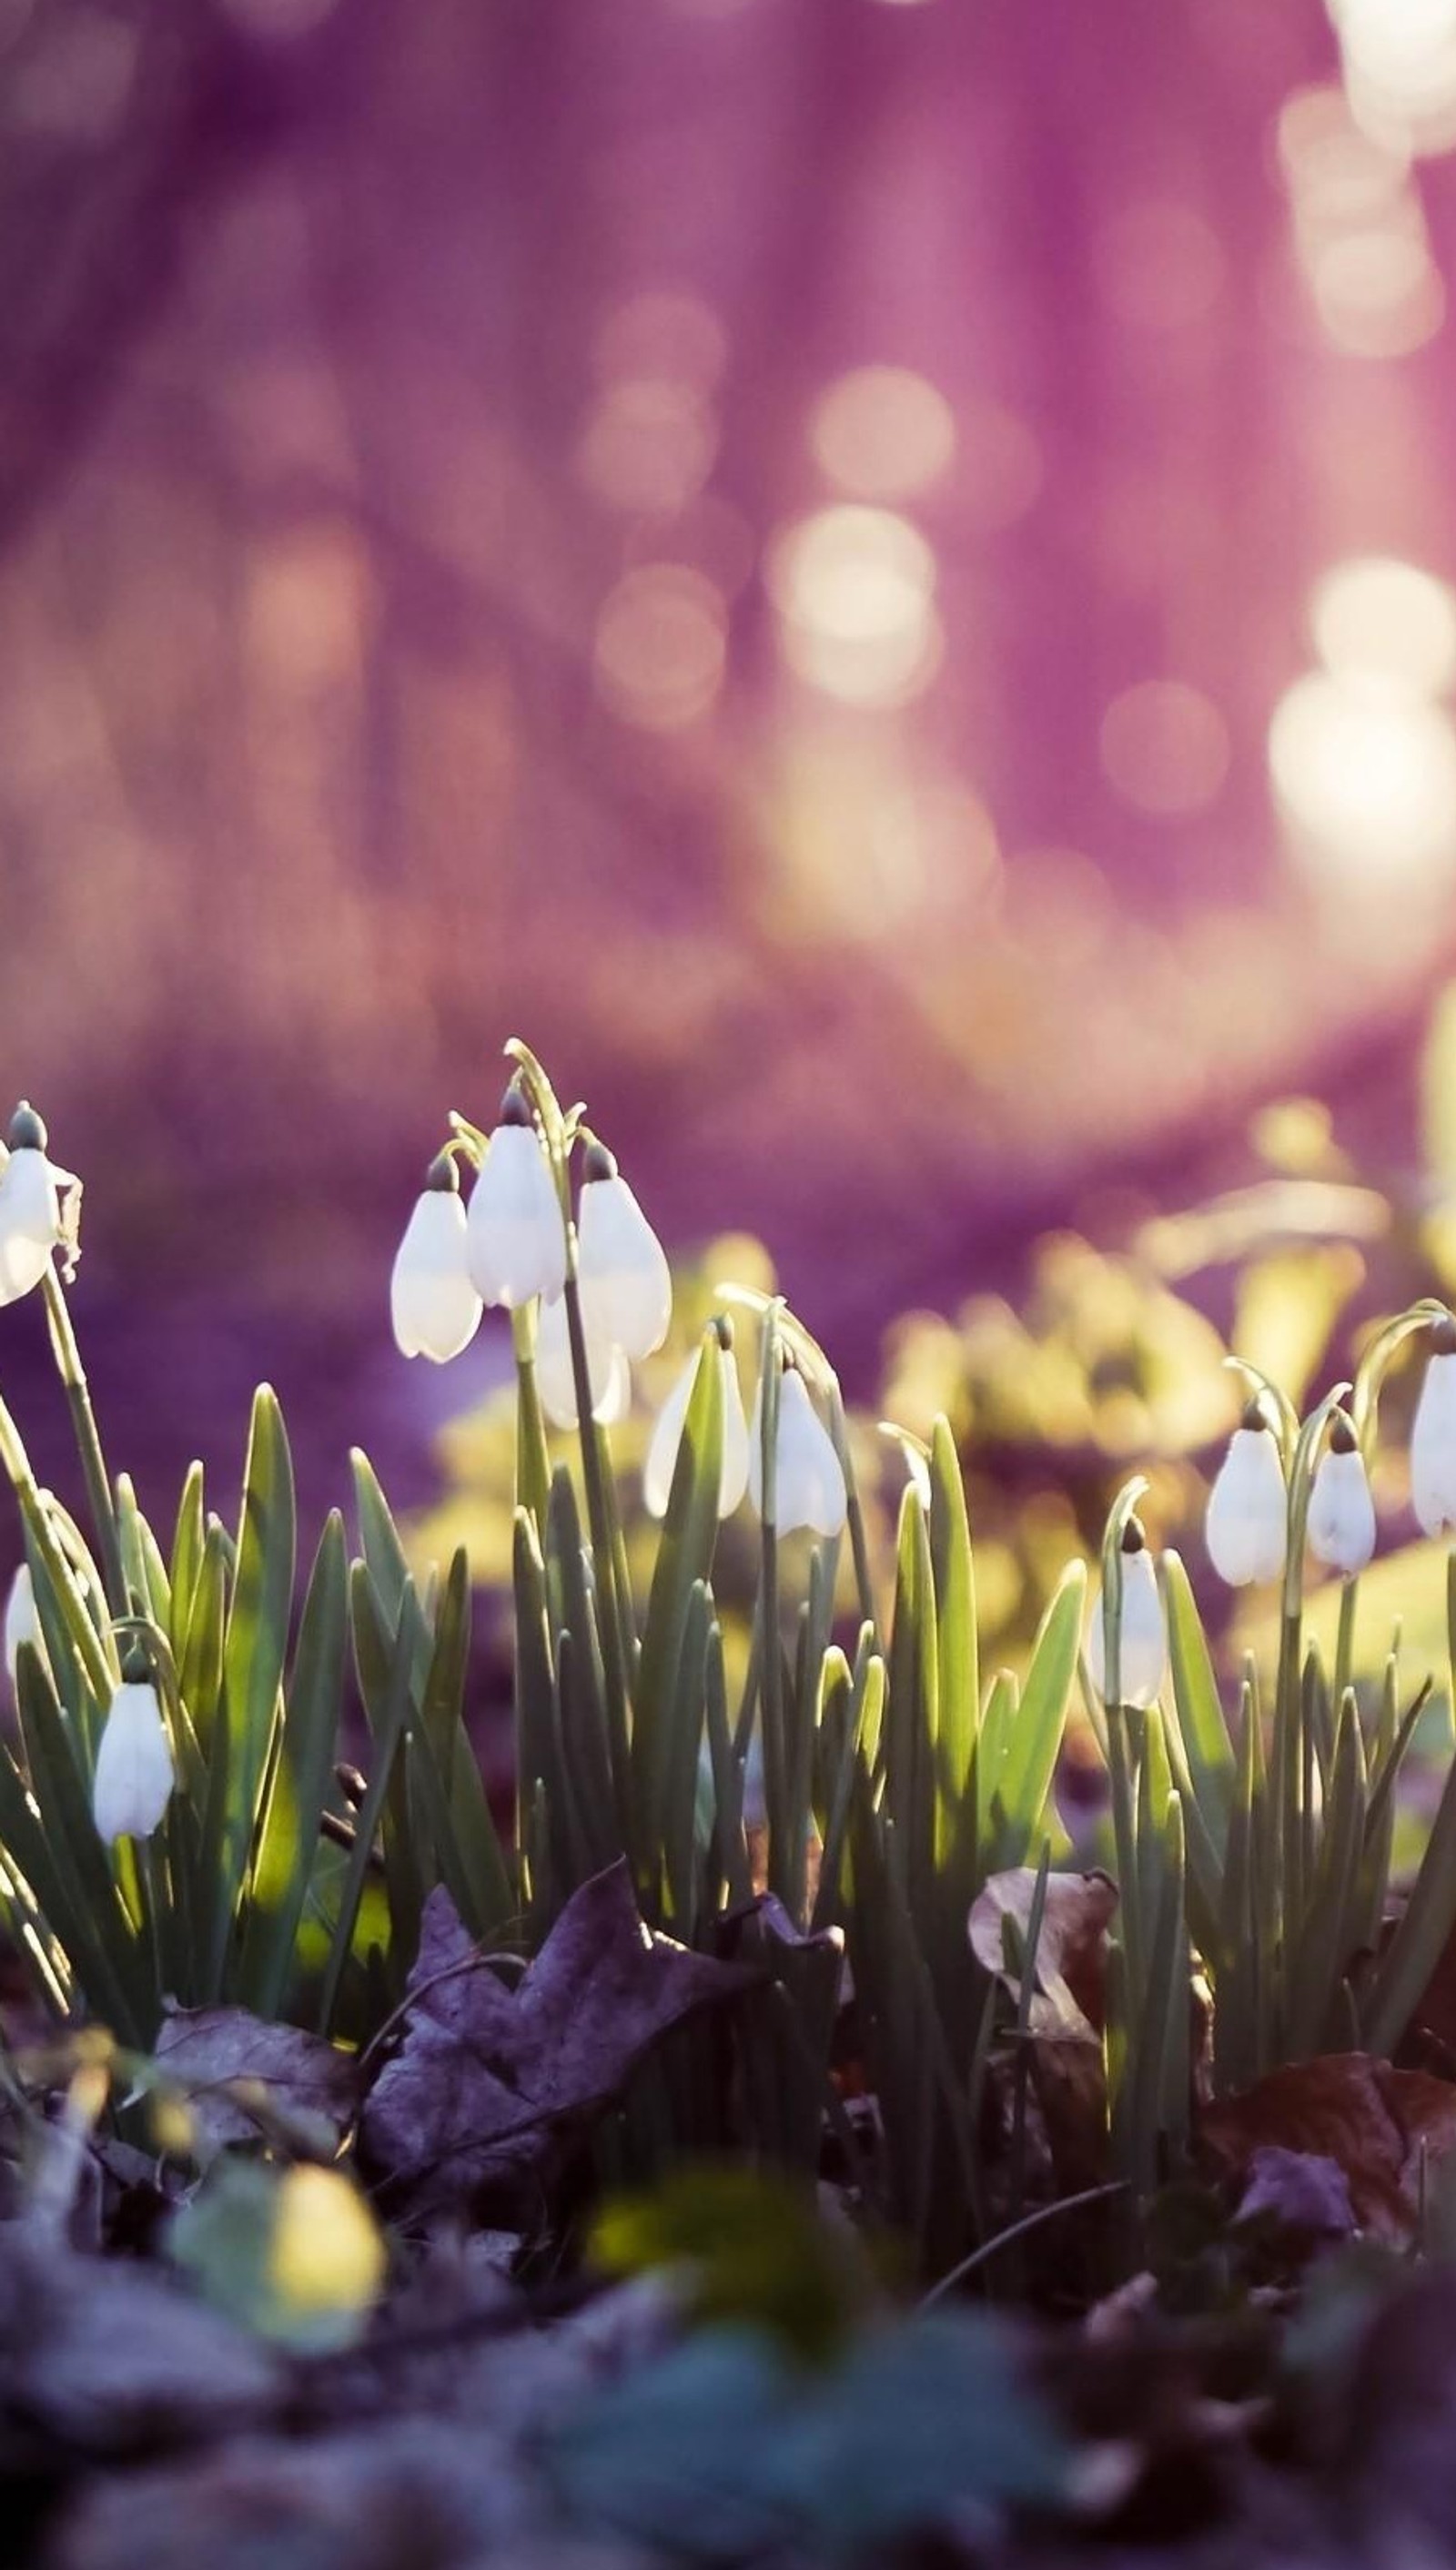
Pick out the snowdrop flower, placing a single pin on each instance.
(1341, 1520)
(134, 1773)
(621, 1260)
(608, 1371)
(662, 1456)
(515, 1239)
(808, 1476)
(1433, 1437)
(432, 1303)
(1142, 1633)
(1246, 1524)
(33, 1224)
(22, 1624)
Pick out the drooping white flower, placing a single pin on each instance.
(22, 1624)
(608, 1371)
(1433, 1438)
(134, 1772)
(32, 1221)
(1142, 1628)
(808, 1476)
(1341, 1520)
(433, 1305)
(1246, 1527)
(621, 1262)
(661, 1454)
(515, 1239)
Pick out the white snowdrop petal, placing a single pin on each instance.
(515, 1239)
(30, 1222)
(22, 1624)
(1141, 1636)
(1433, 1448)
(666, 1437)
(624, 1262)
(1341, 1520)
(29, 1202)
(134, 1774)
(1246, 1524)
(810, 1482)
(616, 1400)
(433, 1305)
(610, 1383)
(735, 1457)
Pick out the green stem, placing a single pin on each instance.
(853, 1513)
(88, 1439)
(1344, 1648)
(601, 1515)
(533, 1461)
(101, 1677)
(770, 1674)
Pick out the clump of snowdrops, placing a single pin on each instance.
(835, 1803)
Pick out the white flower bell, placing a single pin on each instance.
(1341, 1522)
(432, 1303)
(1433, 1437)
(22, 1624)
(515, 1239)
(608, 1371)
(808, 1476)
(623, 1266)
(33, 1224)
(1142, 1628)
(1247, 1527)
(134, 1772)
(662, 1454)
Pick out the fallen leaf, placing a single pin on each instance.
(1300, 2190)
(1377, 2124)
(108, 2355)
(1070, 1956)
(244, 2078)
(488, 2080)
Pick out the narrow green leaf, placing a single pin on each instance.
(685, 1548)
(65, 1863)
(188, 1536)
(299, 1783)
(394, 1715)
(1035, 1739)
(959, 1688)
(1203, 1731)
(252, 1669)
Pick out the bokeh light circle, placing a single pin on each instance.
(1385, 624)
(882, 432)
(1369, 781)
(855, 589)
(661, 647)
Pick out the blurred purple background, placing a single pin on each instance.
(870, 574)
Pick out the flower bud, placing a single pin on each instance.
(1341, 1522)
(622, 1261)
(662, 1456)
(1247, 1527)
(134, 1772)
(31, 1226)
(515, 1239)
(608, 1371)
(1434, 1441)
(808, 1476)
(1142, 1628)
(433, 1305)
(22, 1624)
